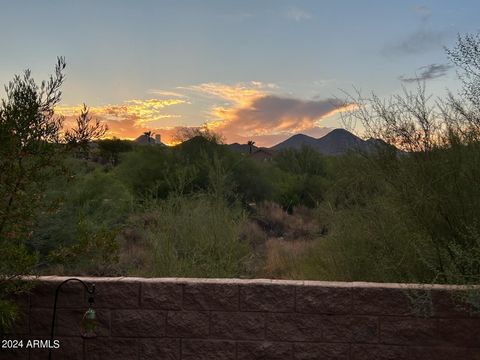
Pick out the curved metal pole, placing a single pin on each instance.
(57, 291)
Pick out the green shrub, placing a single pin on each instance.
(95, 199)
(92, 253)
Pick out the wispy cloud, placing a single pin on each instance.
(421, 40)
(423, 10)
(236, 17)
(238, 94)
(297, 14)
(158, 92)
(428, 72)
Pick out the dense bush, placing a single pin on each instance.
(93, 198)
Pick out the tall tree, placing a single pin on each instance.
(31, 145)
(29, 131)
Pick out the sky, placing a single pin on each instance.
(257, 70)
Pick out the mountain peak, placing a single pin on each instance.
(295, 142)
(337, 141)
(339, 131)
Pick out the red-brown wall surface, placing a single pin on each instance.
(249, 319)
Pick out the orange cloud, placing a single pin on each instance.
(130, 119)
(143, 111)
(240, 95)
(159, 92)
(274, 115)
(252, 111)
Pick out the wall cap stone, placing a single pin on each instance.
(234, 281)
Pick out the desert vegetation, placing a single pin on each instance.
(406, 211)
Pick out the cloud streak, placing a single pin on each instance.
(428, 72)
(418, 42)
(297, 14)
(240, 94)
(423, 10)
(422, 40)
(143, 111)
(159, 92)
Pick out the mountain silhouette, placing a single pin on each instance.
(340, 141)
(296, 142)
(336, 142)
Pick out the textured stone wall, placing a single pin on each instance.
(250, 319)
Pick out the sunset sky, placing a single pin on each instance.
(251, 69)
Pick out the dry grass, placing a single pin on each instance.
(283, 259)
(134, 253)
(279, 240)
(185, 236)
(301, 224)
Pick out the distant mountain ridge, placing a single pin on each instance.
(336, 142)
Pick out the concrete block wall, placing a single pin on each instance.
(249, 319)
